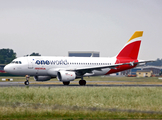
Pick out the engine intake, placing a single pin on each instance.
(66, 76)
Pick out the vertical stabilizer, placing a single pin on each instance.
(131, 49)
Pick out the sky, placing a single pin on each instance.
(54, 27)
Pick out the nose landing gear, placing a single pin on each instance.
(27, 80)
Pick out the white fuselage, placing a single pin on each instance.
(49, 66)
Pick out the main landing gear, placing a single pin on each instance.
(82, 82)
(66, 83)
(27, 80)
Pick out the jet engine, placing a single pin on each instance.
(66, 76)
(42, 78)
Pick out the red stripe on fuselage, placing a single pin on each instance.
(122, 67)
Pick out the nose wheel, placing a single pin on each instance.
(27, 80)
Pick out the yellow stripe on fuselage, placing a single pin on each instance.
(136, 35)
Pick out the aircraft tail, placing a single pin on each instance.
(131, 48)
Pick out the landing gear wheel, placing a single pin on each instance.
(66, 83)
(26, 82)
(82, 82)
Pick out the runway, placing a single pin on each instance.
(75, 84)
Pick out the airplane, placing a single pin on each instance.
(67, 69)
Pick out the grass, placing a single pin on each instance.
(80, 102)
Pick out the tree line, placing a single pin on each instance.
(7, 55)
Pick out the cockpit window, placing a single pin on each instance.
(16, 62)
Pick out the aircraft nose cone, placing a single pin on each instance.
(7, 68)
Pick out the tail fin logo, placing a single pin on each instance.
(131, 49)
(136, 35)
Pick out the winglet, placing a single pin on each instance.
(136, 35)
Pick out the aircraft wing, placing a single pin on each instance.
(95, 67)
(89, 69)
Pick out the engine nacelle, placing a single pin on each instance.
(42, 78)
(66, 76)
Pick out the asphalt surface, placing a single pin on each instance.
(75, 84)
